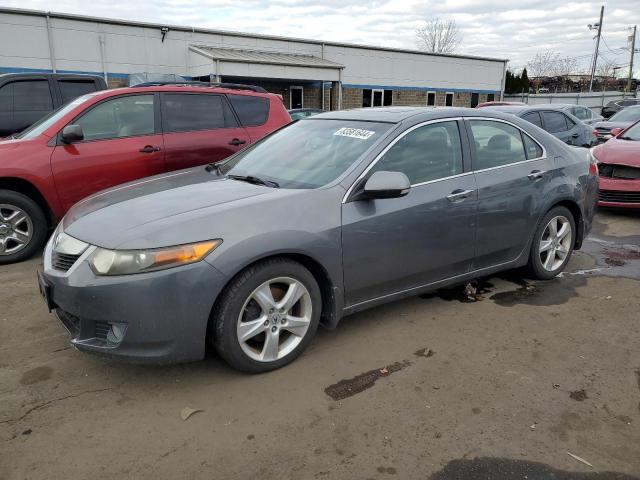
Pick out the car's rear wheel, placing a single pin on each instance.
(552, 244)
(23, 227)
(267, 315)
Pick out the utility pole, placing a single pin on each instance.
(633, 50)
(595, 55)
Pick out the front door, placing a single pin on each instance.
(199, 128)
(512, 174)
(296, 97)
(121, 143)
(391, 245)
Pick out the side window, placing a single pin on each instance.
(581, 113)
(496, 144)
(185, 112)
(427, 153)
(533, 117)
(6, 98)
(119, 117)
(32, 96)
(252, 111)
(70, 89)
(570, 123)
(531, 147)
(554, 122)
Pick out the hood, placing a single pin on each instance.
(620, 152)
(150, 212)
(610, 125)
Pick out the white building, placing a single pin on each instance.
(352, 75)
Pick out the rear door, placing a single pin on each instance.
(199, 128)
(512, 173)
(122, 142)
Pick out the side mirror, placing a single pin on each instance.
(72, 133)
(386, 185)
(616, 131)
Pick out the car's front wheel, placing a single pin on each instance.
(23, 227)
(552, 243)
(267, 315)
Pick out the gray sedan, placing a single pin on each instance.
(556, 120)
(323, 218)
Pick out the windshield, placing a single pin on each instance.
(626, 115)
(633, 133)
(51, 118)
(306, 154)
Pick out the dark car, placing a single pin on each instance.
(27, 97)
(621, 120)
(615, 106)
(556, 120)
(298, 113)
(328, 216)
(106, 138)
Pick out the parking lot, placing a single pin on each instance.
(516, 379)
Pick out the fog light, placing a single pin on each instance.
(116, 333)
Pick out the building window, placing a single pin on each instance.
(448, 99)
(376, 97)
(475, 99)
(491, 97)
(296, 95)
(431, 99)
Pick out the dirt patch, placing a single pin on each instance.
(578, 395)
(507, 469)
(36, 375)
(349, 387)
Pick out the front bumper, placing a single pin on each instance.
(156, 317)
(619, 193)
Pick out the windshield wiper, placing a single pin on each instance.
(255, 180)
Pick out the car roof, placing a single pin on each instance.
(517, 109)
(183, 89)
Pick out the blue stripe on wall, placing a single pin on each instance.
(422, 89)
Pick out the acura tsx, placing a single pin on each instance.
(325, 217)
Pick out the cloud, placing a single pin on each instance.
(497, 28)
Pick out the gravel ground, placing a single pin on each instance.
(518, 380)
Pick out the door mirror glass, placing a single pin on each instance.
(72, 133)
(387, 185)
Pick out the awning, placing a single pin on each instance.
(259, 63)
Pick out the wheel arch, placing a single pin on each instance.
(27, 188)
(574, 208)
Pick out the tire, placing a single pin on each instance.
(238, 312)
(20, 241)
(540, 264)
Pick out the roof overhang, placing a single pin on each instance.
(267, 64)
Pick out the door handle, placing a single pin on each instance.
(149, 149)
(237, 141)
(536, 175)
(459, 195)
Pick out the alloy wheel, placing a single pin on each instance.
(274, 319)
(555, 243)
(16, 229)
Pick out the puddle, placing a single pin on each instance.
(613, 256)
(347, 388)
(507, 469)
(552, 292)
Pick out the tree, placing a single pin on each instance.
(438, 36)
(524, 81)
(542, 65)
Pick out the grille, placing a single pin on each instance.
(63, 261)
(101, 330)
(619, 197)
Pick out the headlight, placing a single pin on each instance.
(127, 262)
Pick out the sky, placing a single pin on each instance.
(510, 29)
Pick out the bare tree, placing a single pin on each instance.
(543, 64)
(605, 68)
(438, 36)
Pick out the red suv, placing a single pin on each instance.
(106, 138)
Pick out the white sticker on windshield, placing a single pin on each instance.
(354, 133)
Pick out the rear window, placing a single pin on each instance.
(70, 89)
(252, 111)
(184, 112)
(555, 122)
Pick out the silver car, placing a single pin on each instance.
(328, 216)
